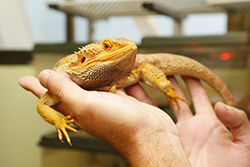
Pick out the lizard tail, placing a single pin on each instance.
(181, 65)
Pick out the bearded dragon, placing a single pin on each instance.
(114, 63)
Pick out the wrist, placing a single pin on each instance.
(158, 148)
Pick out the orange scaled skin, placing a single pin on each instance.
(113, 63)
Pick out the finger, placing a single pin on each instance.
(139, 93)
(200, 99)
(33, 85)
(120, 92)
(64, 88)
(87, 106)
(184, 112)
(236, 120)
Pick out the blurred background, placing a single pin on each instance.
(34, 35)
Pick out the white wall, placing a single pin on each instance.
(48, 25)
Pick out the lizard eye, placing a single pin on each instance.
(107, 45)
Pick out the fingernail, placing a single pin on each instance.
(229, 108)
(43, 78)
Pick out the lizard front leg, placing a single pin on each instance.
(53, 117)
(155, 77)
(111, 89)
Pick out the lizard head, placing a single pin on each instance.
(100, 64)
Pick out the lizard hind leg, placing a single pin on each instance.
(155, 77)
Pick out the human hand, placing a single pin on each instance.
(205, 138)
(142, 133)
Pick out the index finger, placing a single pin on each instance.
(139, 93)
(33, 85)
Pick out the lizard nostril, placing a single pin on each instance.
(83, 59)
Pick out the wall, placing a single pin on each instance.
(20, 125)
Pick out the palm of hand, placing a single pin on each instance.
(137, 130)
(102, 114)
(205, 138)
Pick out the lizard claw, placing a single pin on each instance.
(61, 127)
(172, 98)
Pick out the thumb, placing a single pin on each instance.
(81, 103)
(63, 88)
(236, 120)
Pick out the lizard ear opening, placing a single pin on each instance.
(83, 59)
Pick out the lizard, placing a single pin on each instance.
(114, 63)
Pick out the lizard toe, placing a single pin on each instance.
(61, 127)
(68, 119)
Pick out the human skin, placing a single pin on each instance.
(205, 138)
(143, 134)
